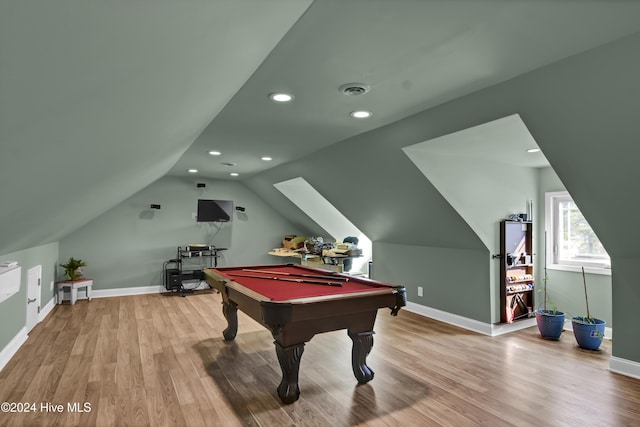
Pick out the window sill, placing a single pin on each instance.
(578, 269)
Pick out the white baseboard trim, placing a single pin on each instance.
(505, 328)
(120, 292)
(12, 347)
(491, 330)
(138, 290)
(44, 311)
(624, 367)
(452, 319)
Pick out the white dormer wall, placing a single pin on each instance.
(320, 210)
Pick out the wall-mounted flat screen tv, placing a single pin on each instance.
(215, 210)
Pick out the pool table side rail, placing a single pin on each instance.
(286, 312)
(350, 295)
(222, 284)
(219, 281)
(311, 270)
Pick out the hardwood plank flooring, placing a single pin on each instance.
(160, 360)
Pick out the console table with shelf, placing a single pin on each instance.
(72, 286)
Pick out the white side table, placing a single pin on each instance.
(73, 286)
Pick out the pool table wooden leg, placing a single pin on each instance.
(289, 358)
(362, 344)
(230, 311)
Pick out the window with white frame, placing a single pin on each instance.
(571, 243)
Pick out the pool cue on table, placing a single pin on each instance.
(313, 282)
(311, 276)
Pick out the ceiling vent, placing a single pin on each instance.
(354, 89)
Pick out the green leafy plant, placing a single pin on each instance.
(554, 308)
(73, 268)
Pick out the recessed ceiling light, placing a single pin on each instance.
(533, 150)
(266, 158)
(234, 174)
(280, 97)
(361, 114)
(214, 153)
(192, 170)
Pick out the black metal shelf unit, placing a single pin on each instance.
(188, 266)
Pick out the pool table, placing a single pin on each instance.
(295, 302)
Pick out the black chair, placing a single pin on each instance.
(346, 263)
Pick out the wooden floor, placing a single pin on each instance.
(160, 360)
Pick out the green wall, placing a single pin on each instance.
(566, 288)
(483, 191)
(626, 300)
(453, 280)
(13, 311)
(126, 246)
(582, 112)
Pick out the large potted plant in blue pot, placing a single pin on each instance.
(588, 330)
(550, 321)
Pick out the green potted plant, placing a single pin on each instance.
(588, 330)
(73, 268)
(550, 321)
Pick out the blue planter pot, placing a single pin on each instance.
(588, 335)
(550, 324)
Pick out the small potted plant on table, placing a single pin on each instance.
(588, 330)
(73, 269)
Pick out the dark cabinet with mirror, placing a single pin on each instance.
(516, 270)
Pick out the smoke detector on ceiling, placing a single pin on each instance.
(354, 89)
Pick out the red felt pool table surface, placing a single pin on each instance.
(285, 282)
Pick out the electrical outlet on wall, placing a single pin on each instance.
(194, 215)
(419, 291)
